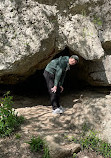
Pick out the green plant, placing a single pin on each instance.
(46, 152)
(9, 121)
(17, 136)
(38, 144)
(75, 140)
(74, 155)
(92, 142)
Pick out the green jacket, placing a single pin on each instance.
(58, 68)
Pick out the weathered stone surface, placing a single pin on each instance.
(81, 36)
(100, 72)
(83, 111)
(96, 73)
(32, 32)
(26, 36)
(58, 150)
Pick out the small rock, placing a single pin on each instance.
(108, 96)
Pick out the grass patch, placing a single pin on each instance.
(38, 144)
(17, 136)
(91, 142)
(94, 143)
(9, 119)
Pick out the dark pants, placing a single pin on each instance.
(54, 97)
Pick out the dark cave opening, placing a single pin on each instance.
(36, 84)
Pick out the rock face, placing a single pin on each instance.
(100, 72)
(33, 32)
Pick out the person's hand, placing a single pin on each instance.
(61, 89)
(54, 89)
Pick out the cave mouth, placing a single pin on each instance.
(36, 84)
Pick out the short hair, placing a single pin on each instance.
(75, 57)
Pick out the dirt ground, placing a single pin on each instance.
(88, 106)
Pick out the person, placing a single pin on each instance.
(54, 75)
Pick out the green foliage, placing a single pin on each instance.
(46, 152)
(74, 155)
(92, 142)
(9, 121)
(38, 144)
(75, 140)
(17, 136)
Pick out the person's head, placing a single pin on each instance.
(73, 60)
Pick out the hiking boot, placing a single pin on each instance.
(57, 111)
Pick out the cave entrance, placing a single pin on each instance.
(75, 79)
(36, 82)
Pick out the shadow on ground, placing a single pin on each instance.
(83, 110)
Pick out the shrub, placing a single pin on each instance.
(38, 144)
(93, 143)
(9, 121)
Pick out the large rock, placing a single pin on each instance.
(61, 150)
(32, 32)
(26, 37)
(99, 72)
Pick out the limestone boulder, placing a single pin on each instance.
(33, 32)
(26, 37)
(80, 35)
(100, 72)
(57, 149)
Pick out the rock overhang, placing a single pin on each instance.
(36, 31)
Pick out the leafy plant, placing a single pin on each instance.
(38, 144)
(74, 155)
(9, 121)
(46, 152)
(92, 142)
(17, 136)
(75, 140)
